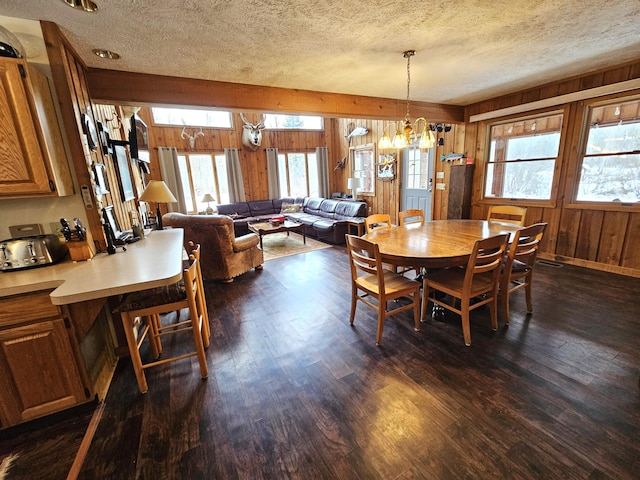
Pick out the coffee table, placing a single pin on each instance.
(266, 228)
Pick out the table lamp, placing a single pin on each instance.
(353, 183)
(207, 199)
(157, 191)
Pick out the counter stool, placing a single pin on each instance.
(149, 305)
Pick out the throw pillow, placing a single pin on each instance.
(290, 207)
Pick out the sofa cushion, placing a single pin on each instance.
(328, 208)
(312, 205)
(235, 210)
(290, 208)
(346, 209)
(259, 208)
(324, 225)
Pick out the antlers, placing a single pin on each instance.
(192, 138)
(259, 125)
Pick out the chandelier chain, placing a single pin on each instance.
(408, 80)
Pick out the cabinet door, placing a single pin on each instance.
(22, 163)
(38, 372)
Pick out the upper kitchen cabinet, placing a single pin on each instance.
(33, 160)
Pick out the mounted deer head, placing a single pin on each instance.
(252, 134)
(192, 138)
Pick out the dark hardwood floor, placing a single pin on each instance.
(295, 392)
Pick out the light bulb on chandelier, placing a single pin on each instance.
(405, 133)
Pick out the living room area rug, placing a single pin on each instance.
(280, 244)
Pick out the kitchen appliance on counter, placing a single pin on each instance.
(30, 251)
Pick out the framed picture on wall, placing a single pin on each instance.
(364, 167)
(102, 185)
(103, 133)
(123, 170)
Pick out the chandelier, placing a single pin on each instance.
(405, 133)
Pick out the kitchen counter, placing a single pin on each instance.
(148, 263)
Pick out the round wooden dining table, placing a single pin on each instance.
(436, 243)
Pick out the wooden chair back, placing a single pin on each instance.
(368, 276)
(478, 281)
(507, 214)
(411, 216)
(519, 264)
(376, 221)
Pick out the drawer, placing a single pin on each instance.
(27, 308)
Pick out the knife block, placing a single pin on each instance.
(80, 250)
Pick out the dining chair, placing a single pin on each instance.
(370, 280)
(507, 214)
(142, 314)
(405, 217)
(379, 221)
(473, 285)
(411, 215)
(376, 221)
(517, 271)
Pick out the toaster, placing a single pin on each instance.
(31, 252)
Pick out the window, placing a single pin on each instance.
(523, 157)
(301, 122)
(200, 174)
(418, 168)
(610, 168)
(364, 165)
(191, 118)
(298, 175)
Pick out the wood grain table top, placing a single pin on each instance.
(434, 244)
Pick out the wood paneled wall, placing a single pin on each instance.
(387, 197)
(215, 140)
(604, 238)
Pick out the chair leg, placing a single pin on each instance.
(504, 304)
(381, 312)
(493, 308)
(425, 300)
(466, 329)
(416, 311)
(196, 326)
(354, 300)
(133, 351)
(528, 295)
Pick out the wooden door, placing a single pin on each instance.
(38, 372)
(22, 163)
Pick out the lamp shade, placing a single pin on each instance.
(208, 198)
(157, 191)
(353, 183)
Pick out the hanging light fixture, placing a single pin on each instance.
(405, 133)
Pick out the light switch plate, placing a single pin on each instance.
(439, 174)
(440, 186)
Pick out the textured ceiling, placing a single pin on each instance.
(467, 50)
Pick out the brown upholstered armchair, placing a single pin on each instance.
(223, 255)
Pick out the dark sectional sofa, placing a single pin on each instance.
(325, 219)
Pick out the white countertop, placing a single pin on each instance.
(148, 263)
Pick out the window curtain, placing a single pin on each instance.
(322, 160)
(171, 175)
(273, 178)
(234, 175)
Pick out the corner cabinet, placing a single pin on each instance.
(42, 366)
(33, 160)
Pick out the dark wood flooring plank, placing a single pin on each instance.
(295, 392)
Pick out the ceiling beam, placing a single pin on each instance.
(128, 88)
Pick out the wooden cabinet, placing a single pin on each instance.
(40, 372)
(460, 185)
(33, 160)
